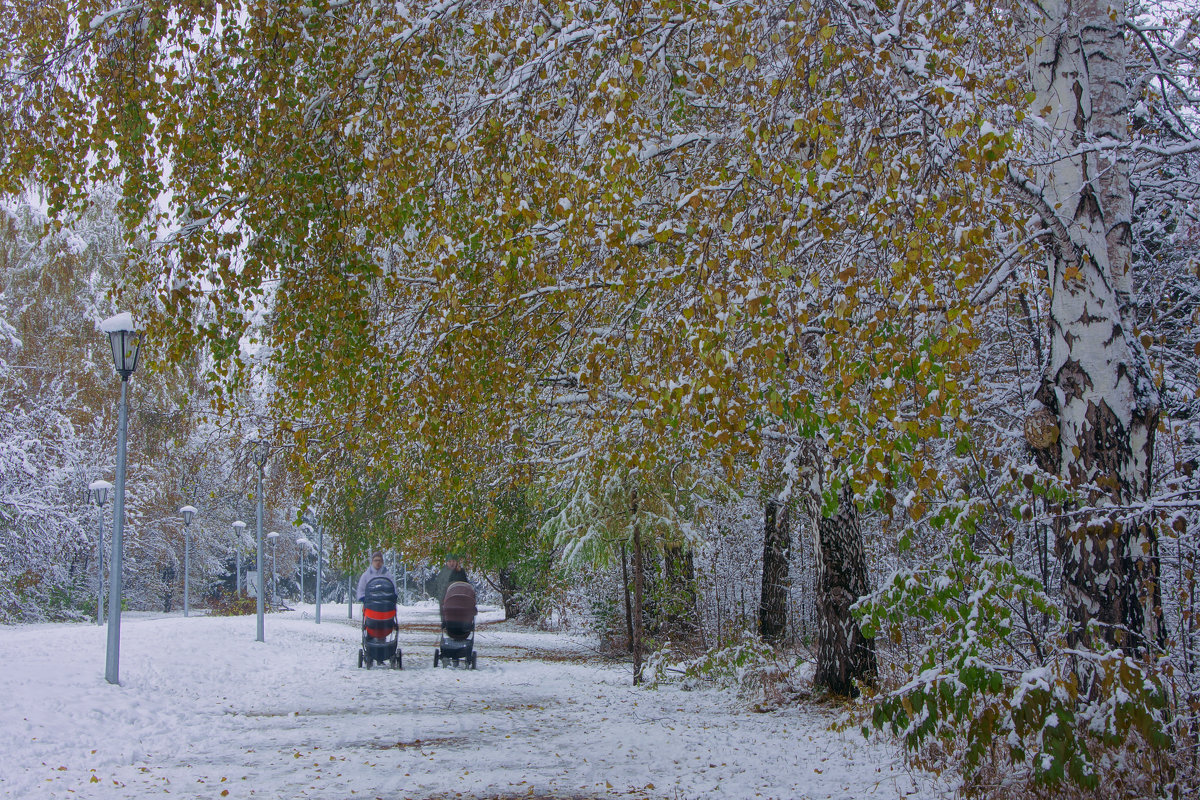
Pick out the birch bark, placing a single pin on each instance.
(1097, 383)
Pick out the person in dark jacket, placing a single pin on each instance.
(376, 570)
(450, 573)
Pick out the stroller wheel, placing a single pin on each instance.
(360, 659)
(471, 661)
(436, 657)
(396, 661)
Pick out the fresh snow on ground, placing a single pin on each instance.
(205, 711)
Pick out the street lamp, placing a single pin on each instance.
(188, 512)
(238, 541)
(125, 341)
(98, 491)
(404, 576)
(303, 544)
(259, 451)
(273, 535)
(320, 568)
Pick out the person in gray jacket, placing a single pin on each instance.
(376, 570)
(450, 573)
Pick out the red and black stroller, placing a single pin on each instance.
(379, 630)
(457, 641)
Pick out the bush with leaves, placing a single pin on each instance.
(1010, 713)
(228, 606)
(761, 675)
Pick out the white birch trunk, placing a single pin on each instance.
(1098, 382)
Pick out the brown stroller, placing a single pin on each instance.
(457, 639)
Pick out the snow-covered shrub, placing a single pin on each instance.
(1008, 713)
(762, 676)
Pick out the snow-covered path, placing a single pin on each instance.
(205, 711)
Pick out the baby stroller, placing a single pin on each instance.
(457, 641)
(379, 629)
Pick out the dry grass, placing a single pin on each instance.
(420, 744)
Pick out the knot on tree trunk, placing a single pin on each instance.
(1041, 429)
